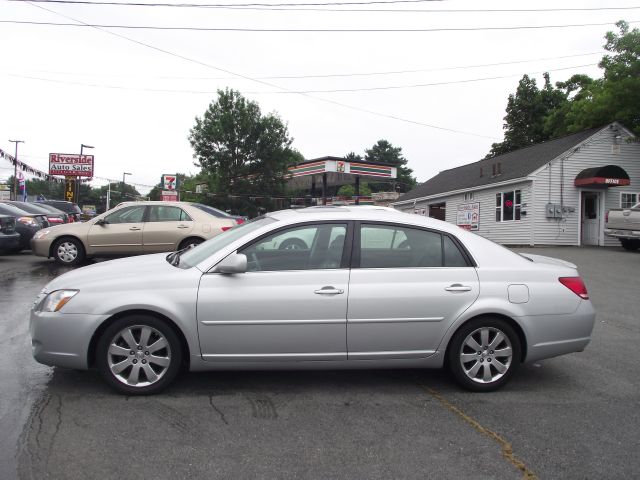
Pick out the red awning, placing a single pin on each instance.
(607, 176)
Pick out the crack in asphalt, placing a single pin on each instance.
(507, 449)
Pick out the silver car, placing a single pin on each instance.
(372, 288)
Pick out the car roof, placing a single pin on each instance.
(365, 213)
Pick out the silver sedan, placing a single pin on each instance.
(370, 288)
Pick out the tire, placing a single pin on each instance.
(630, 245)
(151, 367)
(468, 361)
(68, 251)
(190, 243)
(293, 244)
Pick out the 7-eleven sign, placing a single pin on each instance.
(169, 182)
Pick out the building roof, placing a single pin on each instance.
(513, 165)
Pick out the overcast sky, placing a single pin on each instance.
(134, 95)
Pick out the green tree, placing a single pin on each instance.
(350, 190)
(385, 152)
(353, 157)
(616, 96)
(527, 111)
(240, 150)
(535, 115)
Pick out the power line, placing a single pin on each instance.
(305, 6)
(337, 90)
(327, 75)
(269, 84)
(306, 30)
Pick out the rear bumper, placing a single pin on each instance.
(552, 335)
(617, 233)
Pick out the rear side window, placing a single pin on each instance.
(387, 246)
(391, 246)
(167, 214)
(452, 255)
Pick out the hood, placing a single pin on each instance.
(79, 229)
(549, 260)
(117, 274)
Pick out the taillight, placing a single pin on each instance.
(606, 217)
(27, 221)
(55, 220)
(224, 229)
(576, 285)
(239, 221)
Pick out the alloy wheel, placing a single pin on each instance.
(139, 356)
(486, 354)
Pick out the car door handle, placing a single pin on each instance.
(456, 287)
(183, 226)
(329, 291)
(135, 229)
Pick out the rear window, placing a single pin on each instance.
(211, 210)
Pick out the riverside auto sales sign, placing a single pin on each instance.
(70, 165)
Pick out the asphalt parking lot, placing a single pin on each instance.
(576, 416)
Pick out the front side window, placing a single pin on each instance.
(301, 248)
(628, 200)
(161, 213)
(133, 214)
(508, 206)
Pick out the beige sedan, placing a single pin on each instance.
(131, 228)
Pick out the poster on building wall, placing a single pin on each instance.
(469, 216)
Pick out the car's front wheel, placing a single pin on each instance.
(484, 354)
(139, 355)
(68, 251)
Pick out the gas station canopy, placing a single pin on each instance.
(336, 171)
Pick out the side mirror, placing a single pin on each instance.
(234, 263)
(101, 222)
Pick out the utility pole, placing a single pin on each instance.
(78, 179)
(15, 170)
(122, 199)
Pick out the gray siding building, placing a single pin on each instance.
(553, 193)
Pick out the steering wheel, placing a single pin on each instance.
(253, 258)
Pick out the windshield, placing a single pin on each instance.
(203, 251)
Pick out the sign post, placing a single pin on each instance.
(70, 189)
(169, 188)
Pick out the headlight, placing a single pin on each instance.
(41, 233)
(56, 300)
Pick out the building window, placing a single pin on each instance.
(468, 196)
(508, 206)
(628, 200)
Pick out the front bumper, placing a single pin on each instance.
(62, 340)
(40, 247)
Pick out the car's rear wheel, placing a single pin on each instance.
(190, 243)
(484, 354)
(629, 244)
(68, 251)
(139, 355)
